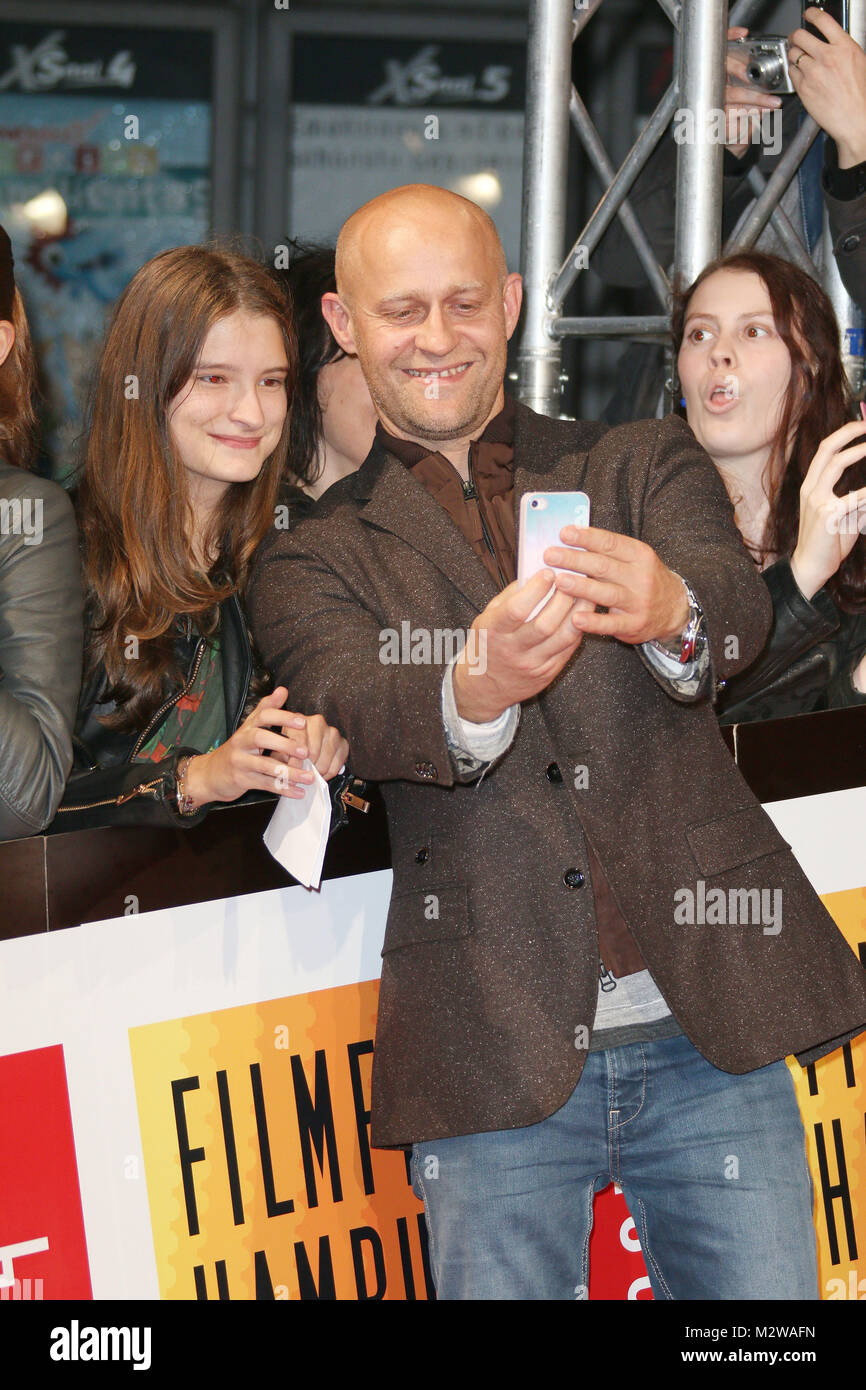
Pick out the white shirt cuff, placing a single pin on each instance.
(481, 742)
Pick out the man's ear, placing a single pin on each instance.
(512, 299)
(339, 321)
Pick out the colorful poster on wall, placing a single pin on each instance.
(105, 155)
(371, 114)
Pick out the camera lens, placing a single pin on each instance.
(766, 70)
(534, 502)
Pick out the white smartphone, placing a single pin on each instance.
(542, 517)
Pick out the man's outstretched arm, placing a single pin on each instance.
(683, 529)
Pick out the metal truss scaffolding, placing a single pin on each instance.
(700, 35)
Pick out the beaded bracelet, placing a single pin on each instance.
(185, 803)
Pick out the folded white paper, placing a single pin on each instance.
(297, 833)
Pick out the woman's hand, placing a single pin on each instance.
(829, 525)
(266, 754)
(858, 676)
(326, 747)
(830, 80)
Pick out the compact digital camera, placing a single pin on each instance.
(762, 63)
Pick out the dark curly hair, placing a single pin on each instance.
(309, 275)
(817, 402)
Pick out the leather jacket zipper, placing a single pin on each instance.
(113, 800)
(163, 709)
(145, 787)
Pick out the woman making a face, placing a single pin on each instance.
(765, 394)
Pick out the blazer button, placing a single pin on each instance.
(850, 243)
(552, 772)
(573, 878)
(422, 855)
(426, 770)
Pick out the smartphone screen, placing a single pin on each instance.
(836, 9)
(542, 517)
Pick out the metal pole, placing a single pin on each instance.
(697, 236)
(609, 204)
(699, 53)
(755, 218)
(583, 124)
(783, 226)
(654, 327)
(849, 315)
(545, 181)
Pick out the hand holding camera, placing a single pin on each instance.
(829, 77)
(745, 99)
(819, 61)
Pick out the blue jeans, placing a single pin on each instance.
(712, 1167)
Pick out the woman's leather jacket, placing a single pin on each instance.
(40, 648)
(807, 661)
(108, 786)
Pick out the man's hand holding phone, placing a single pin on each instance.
(645, 601)
(526, 631)
(523, 654)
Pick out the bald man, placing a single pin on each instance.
(552, 1014)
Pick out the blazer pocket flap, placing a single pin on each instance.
(736, 839)
(435, 913)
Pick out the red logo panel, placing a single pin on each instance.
(616, 1265)
(43, 1253)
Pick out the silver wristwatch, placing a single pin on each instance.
(688, 646)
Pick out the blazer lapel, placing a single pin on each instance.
(396, 502)
(399, 504)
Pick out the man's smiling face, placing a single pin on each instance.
(430, 310)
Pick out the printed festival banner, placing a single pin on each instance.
(185, 1102)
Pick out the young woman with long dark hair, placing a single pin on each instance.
(40, 594)
(333, 418)
(185, 451)
(765, 393)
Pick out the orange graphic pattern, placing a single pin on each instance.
(261, 1181)
(832, 1099)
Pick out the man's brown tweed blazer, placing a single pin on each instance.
(490, 961)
